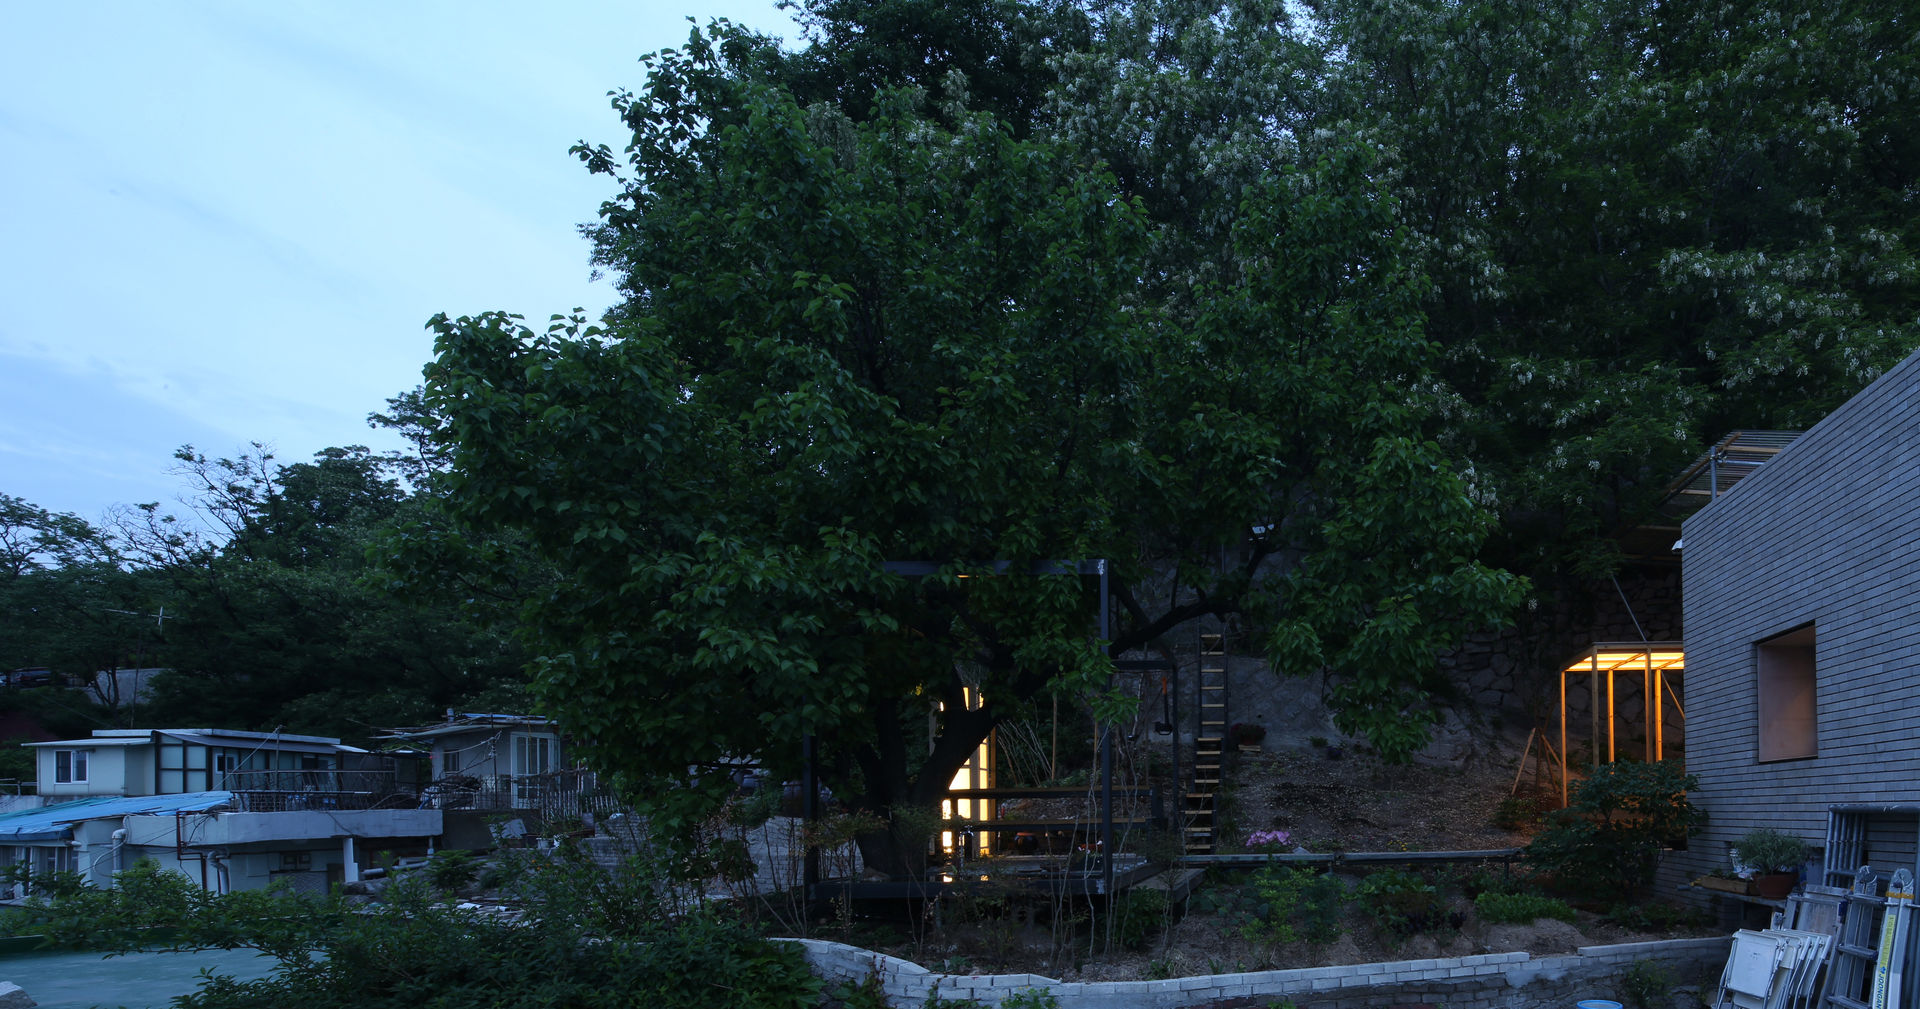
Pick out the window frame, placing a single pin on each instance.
(1786, 678)
(72, 766)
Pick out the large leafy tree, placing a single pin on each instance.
(1648, 223)
(913, 336)
(70, 603)
(277, 616)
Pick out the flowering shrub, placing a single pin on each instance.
(1268, 840)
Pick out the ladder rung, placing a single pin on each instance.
(1862, 952)
(1842, 1000)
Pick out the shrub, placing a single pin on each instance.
(1135, 916)
(450, 869)
(1519, 908)
(868, 994)
(413, 952)
(1300, 904)
(1400, 902)
(1767, 850)
(1645, 982)
(1608, 842)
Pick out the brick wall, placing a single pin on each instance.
(1828, 533)
(1490, 981)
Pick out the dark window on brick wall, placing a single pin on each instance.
(1788, 726)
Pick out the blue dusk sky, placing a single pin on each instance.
(227, 222)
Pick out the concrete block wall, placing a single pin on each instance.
(1488, 981)
(1827, 533)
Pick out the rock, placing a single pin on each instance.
(12, 996)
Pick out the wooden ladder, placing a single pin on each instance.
(1209, 748)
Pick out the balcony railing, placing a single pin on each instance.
(567, 792)
(281, 791)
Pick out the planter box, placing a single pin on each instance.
(1724, 885)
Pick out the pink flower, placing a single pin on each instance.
(1268, 839)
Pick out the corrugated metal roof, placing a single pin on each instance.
(471, 721)
(53, 823)
(235, 741)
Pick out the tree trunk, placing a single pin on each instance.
(911, 806)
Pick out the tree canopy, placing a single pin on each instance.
(912, 335)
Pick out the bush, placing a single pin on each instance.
(1766, 850)
(1519, 908)
(450, 869)
(1607, 843)
(582, 939)
(1400, 902)
(1645, 983)
(1135, 916)
(1298, 904)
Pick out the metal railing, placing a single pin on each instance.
(282, 791)
(567, 792)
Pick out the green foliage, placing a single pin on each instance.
(1647, 983)
(153, 907)
(1767, 850)
(1608, 841)
(451, 869)
(935, 1001)
(277, 616)
(1400, 902)
(574, 947)
(1520, 908)
(909, 308)
(868, 993)
(1134, 918)
(1644, 230)
(1300, 904)
(73, 606)
(1031, 998)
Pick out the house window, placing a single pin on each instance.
(70, 766)
(1788, 722)
(532, 754)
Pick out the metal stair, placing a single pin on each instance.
(1209, 748)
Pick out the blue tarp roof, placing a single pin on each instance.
(53, 823)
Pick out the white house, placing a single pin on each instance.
(494, 761)
(232, 810)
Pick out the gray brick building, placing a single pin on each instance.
(1802, 605)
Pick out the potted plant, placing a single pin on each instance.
(1773, 858)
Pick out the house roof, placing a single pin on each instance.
(55, 823)
(471, 722)
(233, 738)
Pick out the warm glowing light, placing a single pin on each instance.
(1628, 660)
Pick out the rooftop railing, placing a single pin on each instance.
(281, 791)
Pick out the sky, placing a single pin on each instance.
(227, 223)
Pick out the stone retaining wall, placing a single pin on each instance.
(1489, 981)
